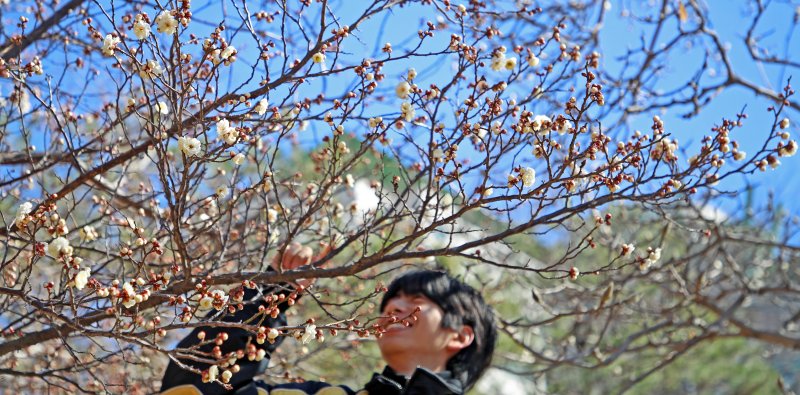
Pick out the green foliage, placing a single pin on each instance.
(725, 366)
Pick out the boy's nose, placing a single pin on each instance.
(397, 305)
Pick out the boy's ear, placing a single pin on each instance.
(461, 339)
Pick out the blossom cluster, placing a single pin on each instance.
(501, 62)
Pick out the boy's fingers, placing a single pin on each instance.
(287, 258)
(325, 250)
(294, 258)
(303, 256)
(297, 255)
(292, 249)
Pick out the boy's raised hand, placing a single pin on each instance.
(296, 256)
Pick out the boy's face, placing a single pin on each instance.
(424, 342)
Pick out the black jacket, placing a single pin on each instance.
(178, 381)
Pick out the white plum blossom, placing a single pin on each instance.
(533, 61)
(226, 132)
(499, 59)
(309, 333)
(498, 63)
(437, 155)
(22, 213)
(789, 149)
(412, 73)
(262, 107)
(538, 150)
(141, 29)
(190, 146)
(213, 372)
(574, 272)
(226, 56)
(151, 69)
(565, 127)
(349, 180)
(664, 149)
(238, 159)
(203, 218)
(129, 295)
(214, 56)
(272, 334)
(82, 278)
(627, 249)
(540, 122)
(579, 177)
(88, 233)
(59, 246)
(342, 148)
(216, 299)
(510, 63)
(653, 256)
(785, 123)
(220, 295)
(36, 66)
(511, 179)
(222, 191)
(226, 53)
(402, 90)
(110, 44)
(497, 127)
(154, 67)
(205, 303)
(528, 176)
(272, 215)
(364, 197)
(318, 57)
(162, 108)
(166, 22)
(407, 111)
(479, 131)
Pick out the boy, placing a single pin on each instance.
(443, 351)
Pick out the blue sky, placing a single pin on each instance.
(619, 33)
(730, 20)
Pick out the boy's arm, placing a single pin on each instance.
(238, 339)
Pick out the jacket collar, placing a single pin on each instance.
(422, 382)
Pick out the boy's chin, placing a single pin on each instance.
(390, 343)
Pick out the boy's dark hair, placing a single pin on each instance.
(462, 305)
